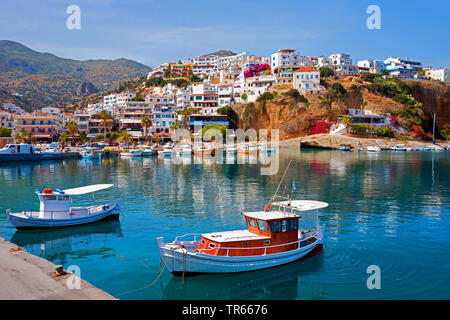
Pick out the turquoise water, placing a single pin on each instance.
(390, 209)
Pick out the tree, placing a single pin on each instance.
(146, 123)
(5, 132)
(106, 120)
(244, 97)
(175, 125)
(347, 120)
(25, 137)
(208, 133)
(232, 116)
(124, 137)
(72, 128)
(62, 140)
(83, 137)
(326, 72)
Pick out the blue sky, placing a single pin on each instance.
(155, 31)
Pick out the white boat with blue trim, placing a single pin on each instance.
(56, 211)
(272, 238)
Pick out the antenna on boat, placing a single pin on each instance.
(276, 192)
(43, 187)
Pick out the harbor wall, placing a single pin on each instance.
(24, 276)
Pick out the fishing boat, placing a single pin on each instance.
(167, 151)
(148, 151)
(186, 150)
(230, 149)
(344, 147)
(373, 149)
(90, 153)
(131, 153)
(285, 231)
(398, 147)
(247, 149)
(26, 152)
(55, 209)
(203, 149)
(274, 236)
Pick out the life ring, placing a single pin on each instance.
(13, 151)
(267, 207)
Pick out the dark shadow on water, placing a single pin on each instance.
(284, 282)
(56, 244)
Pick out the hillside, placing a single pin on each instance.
(32, 79)
(295, 118)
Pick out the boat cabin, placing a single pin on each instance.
(268, 231)
(55, 204)
(17, 148)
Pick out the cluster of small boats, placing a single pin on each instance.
(187, 150)
(399, 147)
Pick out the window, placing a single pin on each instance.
(267, 242)
(63, 198)
(262, 225)
(285, 225)
(212, 245)
(275, 226)
(251, 223)
(294, 224)
(49, 197)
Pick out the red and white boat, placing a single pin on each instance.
(284, 232)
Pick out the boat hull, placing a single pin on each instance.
(30, 157)
(21, 222)
(183, 260)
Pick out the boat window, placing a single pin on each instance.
(285, 225)
(212, 245)
(294, 224)
(49, 197)
(262, 225)
(267, 242)
(63, 198)
(275, 226)
(251, 223)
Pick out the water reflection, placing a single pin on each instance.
(284, 282)
(59, 244)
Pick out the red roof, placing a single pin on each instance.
(306, 69)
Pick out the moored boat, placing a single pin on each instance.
(344, 147)
(26, 152)
(131, 153)
(273, 237)
(55, 209)
(373, 149)
(90, 153)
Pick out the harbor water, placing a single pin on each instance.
(386, 209)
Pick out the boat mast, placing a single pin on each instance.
(276, 192)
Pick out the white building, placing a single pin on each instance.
(373, 66)
(123, 97)
(182, 99)
(163, 113)
(225, 94)
(439, 74)
(82, 120)
(307, 79)
(284, 58)
(204, 98)
(232, 61)
(158, 71)
(205, 65)
(7, 120)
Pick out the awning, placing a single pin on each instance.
(302, 205)
(87, 189)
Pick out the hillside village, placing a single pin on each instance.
(300, 95)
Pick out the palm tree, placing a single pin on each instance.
(62, 140)
(175, 125)
(83, 137)
(72, 128)
(106, 119)
(25, 137)
(347, 120)
(124, 137)
(146, 122)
